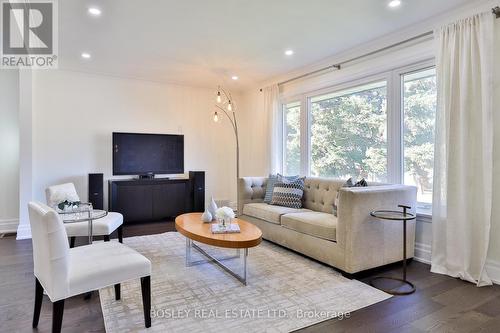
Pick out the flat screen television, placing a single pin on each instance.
(147, 154)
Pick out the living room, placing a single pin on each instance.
(209, 166)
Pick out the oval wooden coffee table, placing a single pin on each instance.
(192, 227)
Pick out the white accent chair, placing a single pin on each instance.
(63, 272)
(102, 227)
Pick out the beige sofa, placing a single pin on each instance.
(353, 241)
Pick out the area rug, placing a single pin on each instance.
(285, 291)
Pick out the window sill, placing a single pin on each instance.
(425, 217)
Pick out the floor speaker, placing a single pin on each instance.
(198, 189)
(96, 191)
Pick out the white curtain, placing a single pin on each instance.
(463, 162)
(272, 109)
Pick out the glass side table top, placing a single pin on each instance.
(81, 215)
(392, 215)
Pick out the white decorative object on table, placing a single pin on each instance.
(206, 216)
(224, 216)
(212, 207)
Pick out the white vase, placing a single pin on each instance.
(206, 216)
(212, 207)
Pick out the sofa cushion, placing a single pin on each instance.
(267, 212)
(318, 224)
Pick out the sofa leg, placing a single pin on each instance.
(72, 242)
(106, 238)
(57, 316)
(120, 233)
(38, 302)
(117, 292)
(146, 299)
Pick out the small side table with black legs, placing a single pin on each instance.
(403, 216)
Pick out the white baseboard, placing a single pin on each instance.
(8, 225)
(422, 253)
(493, 268)
(23, 231)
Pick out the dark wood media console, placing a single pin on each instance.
(146, 200)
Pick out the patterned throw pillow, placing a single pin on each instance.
(273, 179)
(288, 194)
(269, 188)
(287, 179)
(348, 183)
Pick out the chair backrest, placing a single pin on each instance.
(50, 250)
(59, 193)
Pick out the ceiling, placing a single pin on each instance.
(204, 43)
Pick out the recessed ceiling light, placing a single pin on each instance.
(86, 55)
(234, 77)
(289, 52)
(394, 3)
(94, 11)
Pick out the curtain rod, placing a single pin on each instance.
(338, 66)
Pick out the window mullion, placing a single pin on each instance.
(394, 130)
(304, 136)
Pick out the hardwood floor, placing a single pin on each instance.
(440, 304)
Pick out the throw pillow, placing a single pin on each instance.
(287, 179)
(348, 183)
(361, 183)
(269, 188)
(288, 194)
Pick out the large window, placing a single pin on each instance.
(381, 129)
(419, 114)
(291, 135)
(348, 133)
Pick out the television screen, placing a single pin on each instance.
(139, 154)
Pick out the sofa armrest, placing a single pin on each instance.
(367, 241)
(250, 189)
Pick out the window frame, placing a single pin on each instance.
(352, 85)
(401, 73)
(284, 108)
(394, 79)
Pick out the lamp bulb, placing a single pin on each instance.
(229, 106)
(216, 117)
(219, 98)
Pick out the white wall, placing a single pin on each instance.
(9, 150)
(74, 115)
(254, 155)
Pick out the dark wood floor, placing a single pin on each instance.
(441, 303)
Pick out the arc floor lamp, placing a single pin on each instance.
(225, 104)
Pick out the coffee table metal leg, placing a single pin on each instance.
(191, 245)
(245, 255)
(188, 251)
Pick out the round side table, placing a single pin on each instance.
(402, 216)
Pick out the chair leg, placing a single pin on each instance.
(38, 302)
(120, 234)
(146, 299)
(72, 242)
(117, 292)
(57, 316)
(106, 238)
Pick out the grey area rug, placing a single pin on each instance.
(285, 291)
